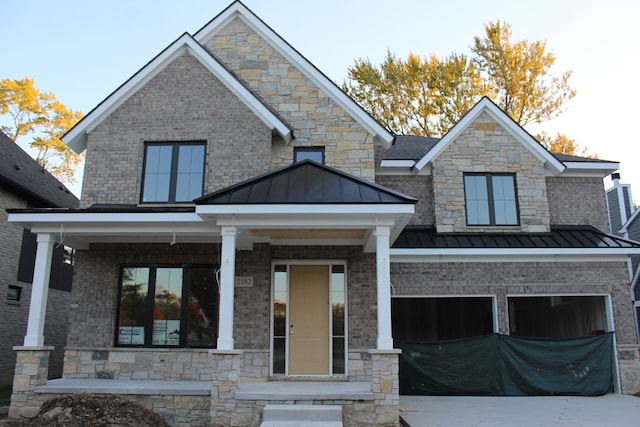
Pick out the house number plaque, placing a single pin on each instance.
(244, 281)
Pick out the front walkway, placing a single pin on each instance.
(565, 411)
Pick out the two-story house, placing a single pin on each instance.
(249, 238)
(26, 184)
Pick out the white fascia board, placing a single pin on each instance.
(293, 221)
(513, 255)
(596, 169)
(311, 209)
(631, 220)
(397, 163)
(505, 121)
(117, 229)
(111, 218)
(76, 138)
(237, 9)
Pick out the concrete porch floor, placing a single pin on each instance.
(270, 390)
(565, 411)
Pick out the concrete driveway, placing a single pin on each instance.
(564, 411)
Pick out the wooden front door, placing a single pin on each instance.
(309, 320)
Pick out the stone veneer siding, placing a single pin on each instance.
(184, 102)
(503, 279)
(315, 118)
(484, 146)
(578, 201)
(381, 367)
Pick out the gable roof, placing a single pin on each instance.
(239, 10)
(305, 182)
(488, 106)
(76, 138)
(23, 176)
(407, 150)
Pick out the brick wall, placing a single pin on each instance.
(502, 279)
(96, 281)
(578, 200)
(487, 147)
(184, 102)
(418, 186)
(316, 119)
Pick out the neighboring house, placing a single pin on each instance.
(619, 205)
(249, 237)
(623, 214)
(25, 184)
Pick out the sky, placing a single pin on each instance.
(83, 50)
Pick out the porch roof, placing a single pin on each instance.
(303, 204)
(305, 182)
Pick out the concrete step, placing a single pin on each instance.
(302, 416)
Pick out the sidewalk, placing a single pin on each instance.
(565, 411)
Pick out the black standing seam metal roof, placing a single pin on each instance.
(305, 182)
(22, 175)
(567, 237)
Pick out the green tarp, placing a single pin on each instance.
(499, 365)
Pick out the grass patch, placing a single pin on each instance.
(5, 395)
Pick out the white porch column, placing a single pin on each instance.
(383, 275)
(227, 279)
(39, 291)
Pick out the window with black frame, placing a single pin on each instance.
(168, 306)
(308, 153)
(491, 199)
(173, 172)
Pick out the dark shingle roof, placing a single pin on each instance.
(305, 182)
(21, 175)
(407, 147)
(569, 158)
(581, 237)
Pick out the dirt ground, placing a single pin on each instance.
(82, 410)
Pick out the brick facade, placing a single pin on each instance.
(184, 102)
(577, 201)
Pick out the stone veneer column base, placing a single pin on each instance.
(629, 362)
(225, 379)
(385, 385)
(32, 369)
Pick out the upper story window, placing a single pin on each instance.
(173, 172)
(312, 153)
(491, 199)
